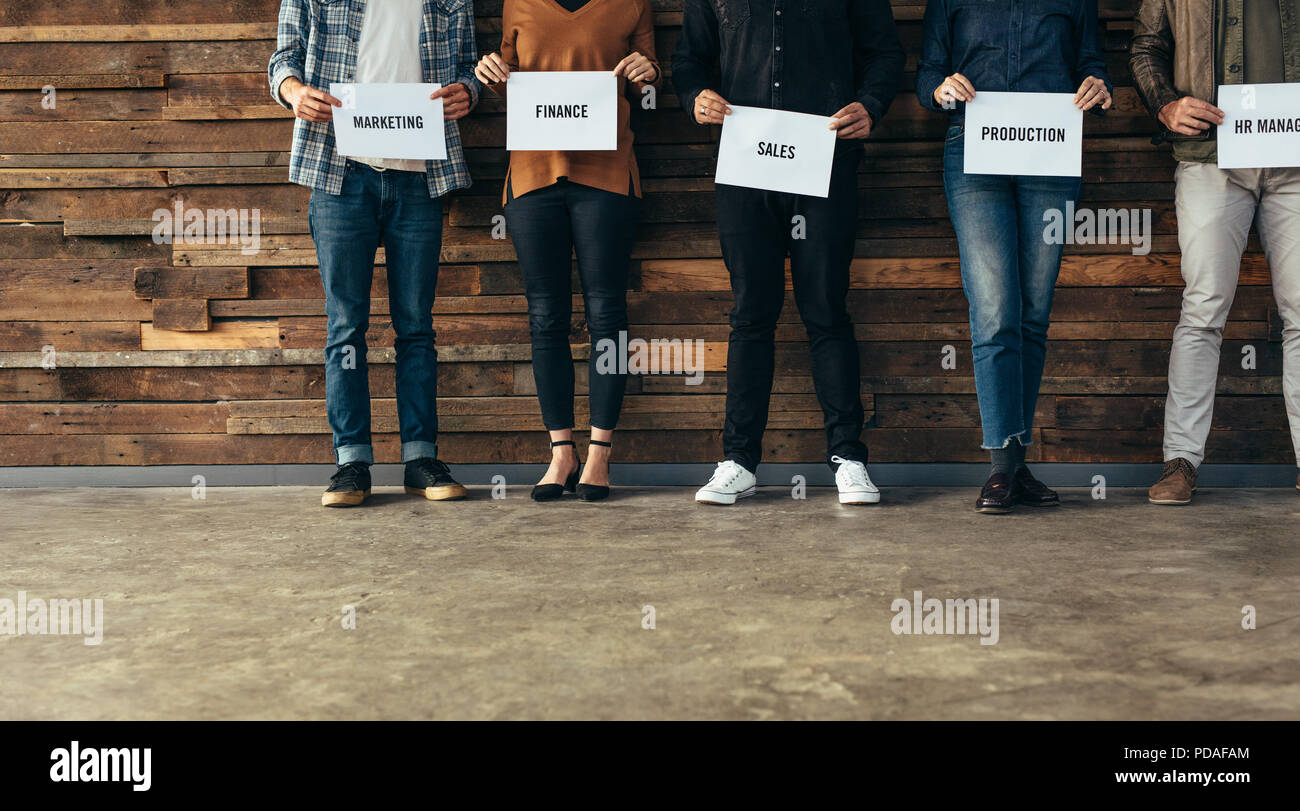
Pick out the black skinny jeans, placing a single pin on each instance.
(548, 226)
(756, 228)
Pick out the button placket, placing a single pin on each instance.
(777, 58)
(1016, 34)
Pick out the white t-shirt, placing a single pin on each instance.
(389, 51)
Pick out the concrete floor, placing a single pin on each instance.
(231, 606)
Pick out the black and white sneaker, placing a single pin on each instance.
(432, 479)
(349, 486)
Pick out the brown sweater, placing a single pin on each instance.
(541, 35)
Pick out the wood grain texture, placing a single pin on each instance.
(121, 348)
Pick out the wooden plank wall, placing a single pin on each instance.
(199, 354)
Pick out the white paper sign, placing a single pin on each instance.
(396, 120)
(776, 150)
(1261, 126)
(569, 111)
(1024, 134)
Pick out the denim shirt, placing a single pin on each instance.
(804, 56)
(1027, 46)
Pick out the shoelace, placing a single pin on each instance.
(730, 469)
(431, 469)
(856, 472)
(349, 475)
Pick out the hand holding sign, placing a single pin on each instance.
(636, 67)
(1091, 93)
(455, 101)
(852, 121)
(492, 69)
(308, 103)
(953, 89)
(1190, 116)
(710, 108)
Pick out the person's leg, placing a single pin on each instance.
(1279, 232)
(755, 234)
(541, 229)
(412, 242)
(819, 265)
(1040, 264)
(1215, 208)
(412, 223)
(345, 229)
(983, 213)
(604, 228)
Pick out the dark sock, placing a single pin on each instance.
(1004, 459)
(1009, 459)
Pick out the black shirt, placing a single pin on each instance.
(804, 56)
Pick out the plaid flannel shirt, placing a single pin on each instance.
(317, 44)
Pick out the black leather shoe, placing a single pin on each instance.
(594, 492)
(552, 492)
(995, 496)
(1027, 490)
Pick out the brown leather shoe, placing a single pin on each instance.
(1177, 483)
(995, 496)
(1027, 490)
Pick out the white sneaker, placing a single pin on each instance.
(730, 481)
(854, 483)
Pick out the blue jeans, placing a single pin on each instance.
(394, 207)
(1009, 274)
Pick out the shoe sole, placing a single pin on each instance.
(993, 510)
(1038, 505)
(1169, 502)
(450, 492)
(860, 498)
(726, 499)
(351, 498)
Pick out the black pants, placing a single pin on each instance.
(548, 225)
(758, 230)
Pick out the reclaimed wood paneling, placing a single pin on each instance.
(119, 350)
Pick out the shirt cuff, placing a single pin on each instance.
(875, 108)
(474, 87)
(277, 79)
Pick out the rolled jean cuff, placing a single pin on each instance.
(1023, 436)
(419, 450)
(354, 453)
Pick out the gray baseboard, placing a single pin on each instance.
(639, 475)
